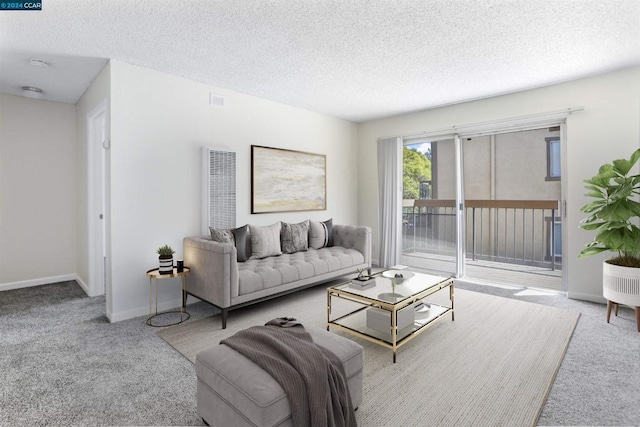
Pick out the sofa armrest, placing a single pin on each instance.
(214, 270)
(354, 237)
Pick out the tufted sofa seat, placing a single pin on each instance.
(258, 274)
(218, 278)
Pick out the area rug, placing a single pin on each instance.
(493, 365)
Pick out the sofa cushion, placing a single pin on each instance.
(318, 235)
(258, 274)
(221, 235)
(243, 242)
(294, 237)
(239, 237)
(329, 224)
(265, 241)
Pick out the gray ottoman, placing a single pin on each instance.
(234, 391)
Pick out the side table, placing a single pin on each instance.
(155, 274)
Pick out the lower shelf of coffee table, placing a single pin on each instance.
(357, 322)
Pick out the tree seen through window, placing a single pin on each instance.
(416, 171)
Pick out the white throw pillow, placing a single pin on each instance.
(265, 241)
(318, 235)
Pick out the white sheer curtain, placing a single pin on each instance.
(390, 199)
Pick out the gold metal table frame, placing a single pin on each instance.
(155, 274)
(354, 322)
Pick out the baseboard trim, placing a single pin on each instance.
(143, 311)
(38, 282)
(587, 297)
(83, 285)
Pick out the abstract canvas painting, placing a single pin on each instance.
(287, 180)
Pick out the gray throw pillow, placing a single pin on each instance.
(222, 236)
(294, 237)
(318, 235)
(265, 241)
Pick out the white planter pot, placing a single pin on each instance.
(621, 284)
(166, 265)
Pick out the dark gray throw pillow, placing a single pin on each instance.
(294, 237)
(243, 243)
(329, 224)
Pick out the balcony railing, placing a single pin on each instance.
(523, 232)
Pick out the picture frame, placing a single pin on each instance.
(287, 180)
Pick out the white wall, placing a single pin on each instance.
(608, 128)
(159, 123)
(37, 198)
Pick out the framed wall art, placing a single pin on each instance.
(287, 180)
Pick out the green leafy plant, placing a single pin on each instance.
(416, 167)
(614, 212)
(165, 251)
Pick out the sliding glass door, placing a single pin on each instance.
(485, 206)
(513, 190)
(429, 225)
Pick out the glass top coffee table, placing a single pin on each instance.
(391, 310)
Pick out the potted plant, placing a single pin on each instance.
(166, 259)
(614, 215)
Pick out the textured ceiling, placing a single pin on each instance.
(354, 59)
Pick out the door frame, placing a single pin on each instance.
(97, 144)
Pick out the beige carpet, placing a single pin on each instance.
(494, 365)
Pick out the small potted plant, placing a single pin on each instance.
(165, 257)
(613, 215)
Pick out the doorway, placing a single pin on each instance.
(97, 144)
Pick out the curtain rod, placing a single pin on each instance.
(493, 126)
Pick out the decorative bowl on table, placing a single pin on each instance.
(422, 308)
(397, 276)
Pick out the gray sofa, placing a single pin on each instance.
(219, 279)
